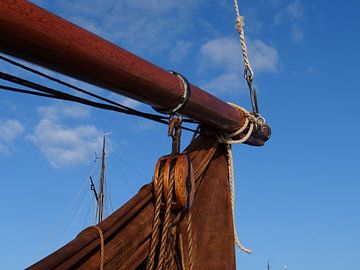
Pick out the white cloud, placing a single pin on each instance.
(145, 26)
(129, 102)
(224, 83)
(58, 111)
(297, 35)
(226, 53)
(293, 12)
(180, 51)
(10, 129)
(143, 125)
(262, 56)
(294, 9)
(61, 144)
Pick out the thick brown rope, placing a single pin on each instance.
(102, 246)
(182, 252)
(156, 222)
(171, 249)
(190, 240)
(166, 258)
(167, 224)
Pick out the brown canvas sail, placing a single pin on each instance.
(127, 231)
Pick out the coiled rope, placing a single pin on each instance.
(166, 257)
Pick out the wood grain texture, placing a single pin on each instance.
(36, 35)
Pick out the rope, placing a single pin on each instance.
(232, 197)
(102, 246)
(250, 122)
(190, 240)
(55, 94)
(248, 72)
(239, 26)
(182, 253)
(167, 224)
(171, 249)
(156, 223)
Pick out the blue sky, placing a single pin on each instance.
(297, 198)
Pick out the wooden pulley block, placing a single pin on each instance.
(179, 167)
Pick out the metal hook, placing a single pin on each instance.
(253, 97)
(174, 132)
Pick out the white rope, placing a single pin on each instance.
(232, 197)
(239, 26)
(250, 122)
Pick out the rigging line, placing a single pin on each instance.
(85, 221)
(39, 87)
(121, 173)
(24, 91)
(137, 171)
(105, 106)
(75, 218)
(108, 204)
(65, 96)
(82, 90)
(108, 199)
(63, 82)
(95, 104)
(64, 214)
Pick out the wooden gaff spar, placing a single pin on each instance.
(38, 36)
(33, 34)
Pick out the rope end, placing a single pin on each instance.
(242, 248)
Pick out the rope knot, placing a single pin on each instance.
(240, 23)
(250, 123)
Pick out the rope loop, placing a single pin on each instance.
(102, 245)
(184, 99)
(248, 73)
(250, 123)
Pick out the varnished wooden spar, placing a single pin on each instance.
(33, 34)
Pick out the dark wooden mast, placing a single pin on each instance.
(36, 35)
(100, 208)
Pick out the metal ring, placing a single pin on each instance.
(184, 98)
(248, 73)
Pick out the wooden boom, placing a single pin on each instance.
(36, 35)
